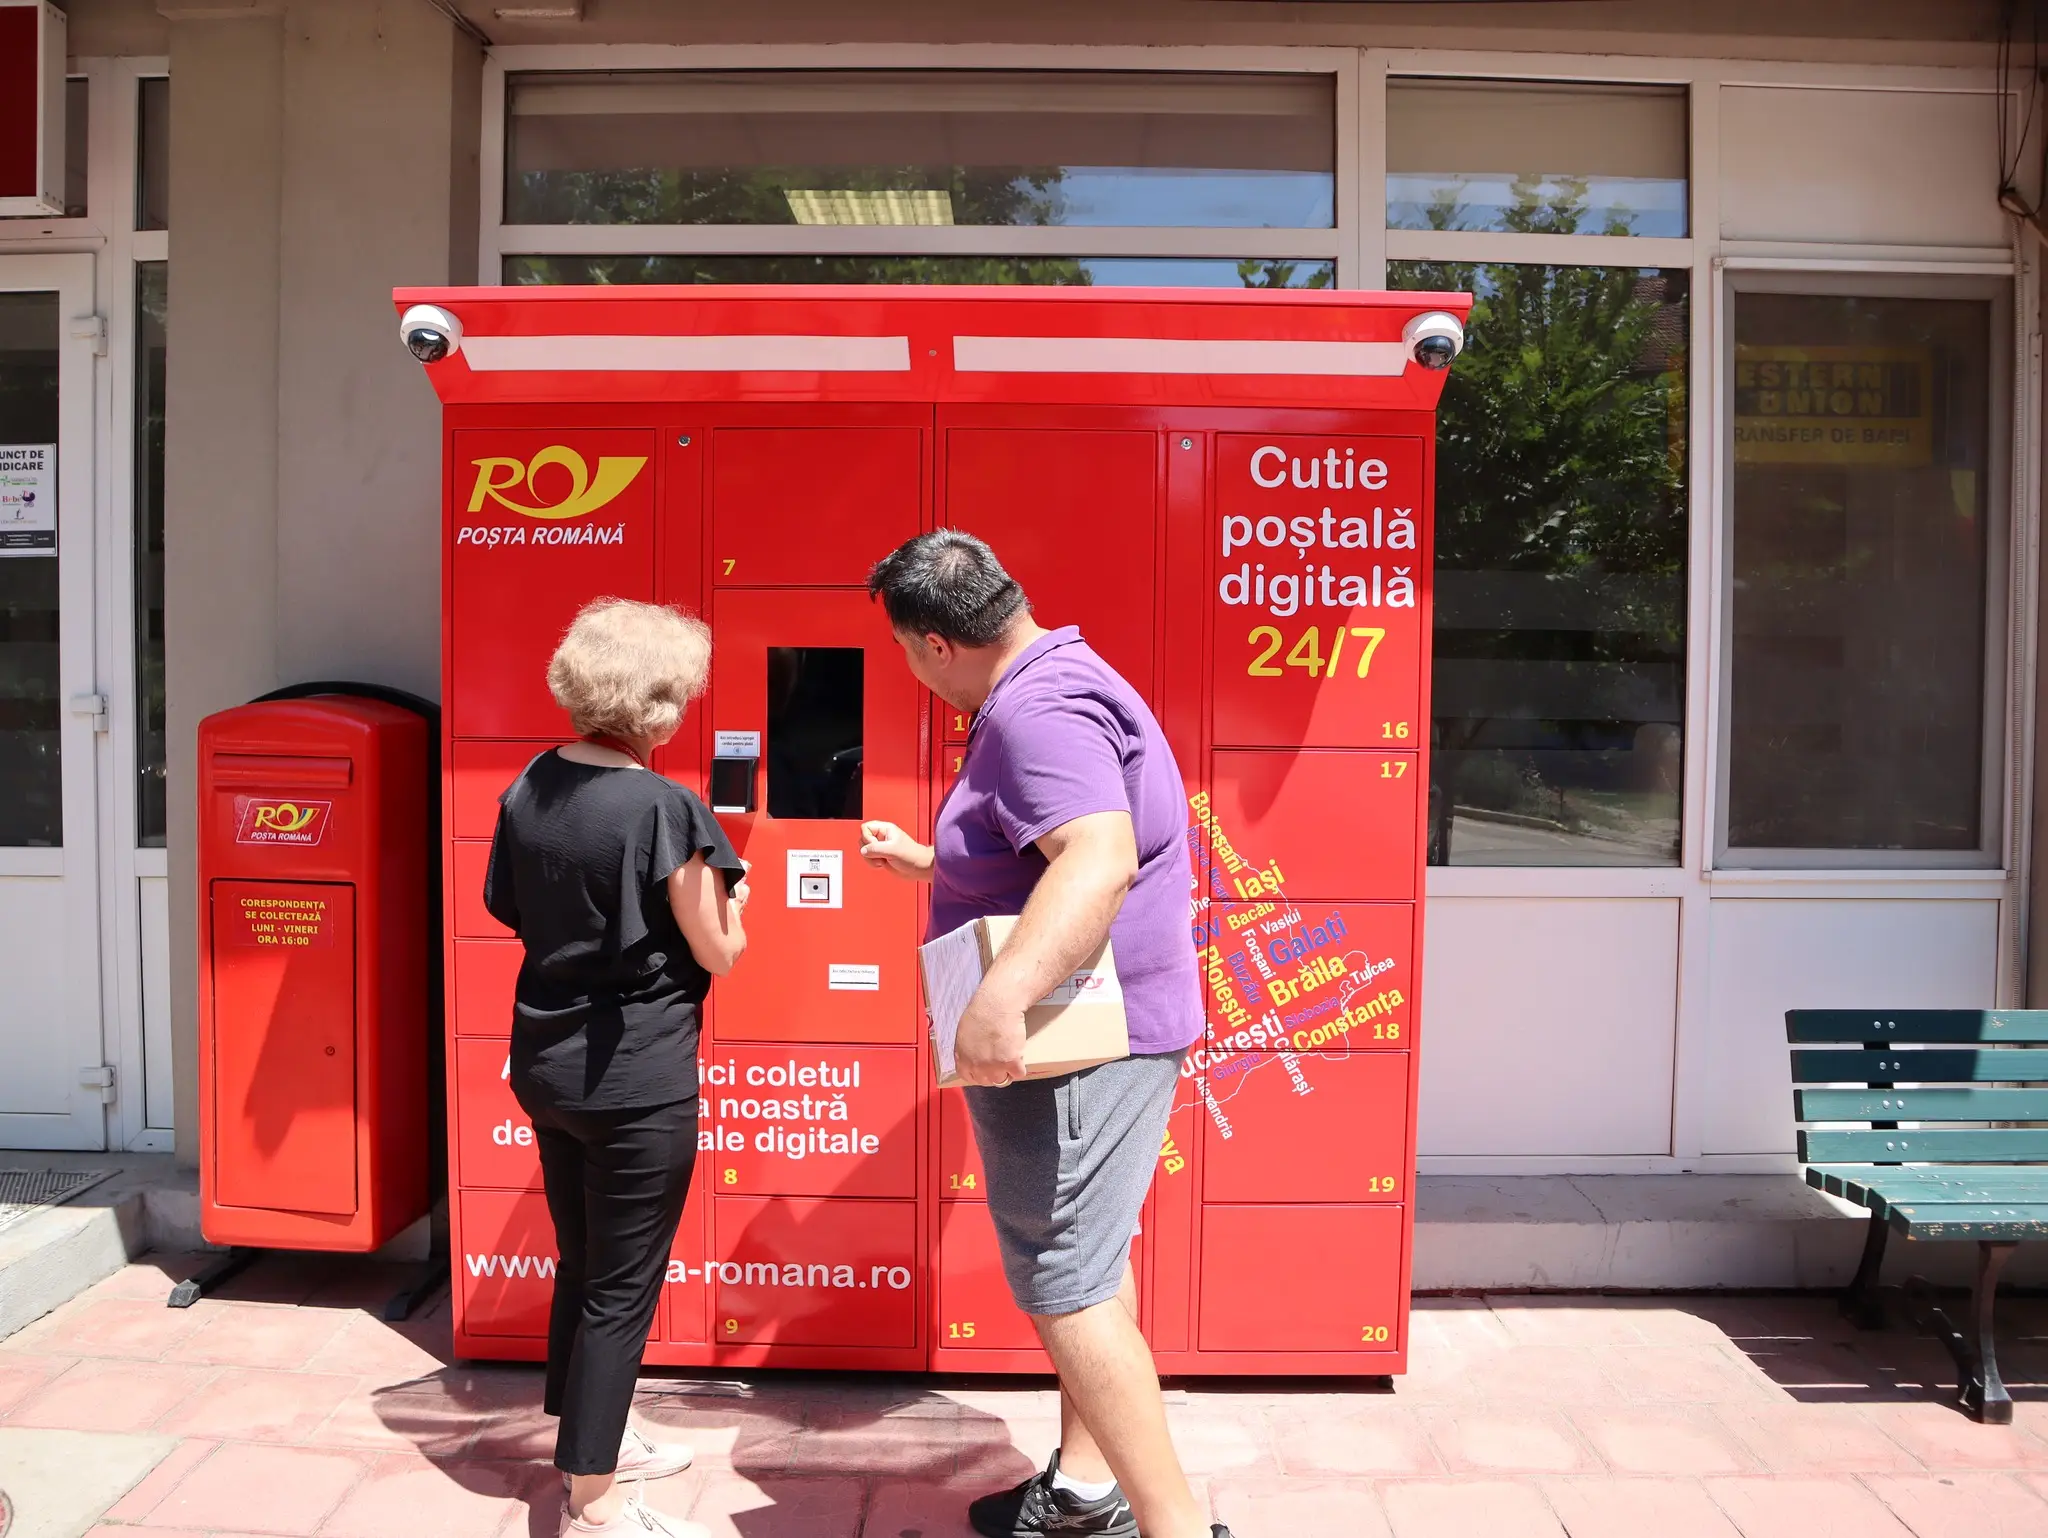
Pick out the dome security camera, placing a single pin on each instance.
(1434, 339)
(430, 333)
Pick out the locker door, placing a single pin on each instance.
(1073, 514)
(817, 675)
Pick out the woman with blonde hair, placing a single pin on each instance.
(627, 898)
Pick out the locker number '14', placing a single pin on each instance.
(1357, 641)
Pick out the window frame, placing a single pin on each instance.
(1337, 244)
(1995, 807)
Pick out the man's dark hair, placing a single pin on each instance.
(947, 584)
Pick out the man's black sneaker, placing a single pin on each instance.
(1035, 1507)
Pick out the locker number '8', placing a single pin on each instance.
(1307, 651)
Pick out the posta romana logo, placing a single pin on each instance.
(497, 479)
(283, 822)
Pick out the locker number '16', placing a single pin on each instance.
(1357, 641)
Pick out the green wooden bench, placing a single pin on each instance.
(1933, 1150)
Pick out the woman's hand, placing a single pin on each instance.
(887, 846)
(741, 893)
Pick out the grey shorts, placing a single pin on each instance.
(1068, 1162)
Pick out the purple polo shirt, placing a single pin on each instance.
(1061, 736)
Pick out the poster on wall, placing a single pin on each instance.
(28, 499)
(1866, 406)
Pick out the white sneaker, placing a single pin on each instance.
(640, 1458)
(637, 1520)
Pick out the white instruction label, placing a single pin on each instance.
(816, 878)
(735, 744)
(855, 979)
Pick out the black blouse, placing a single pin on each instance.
(605, 1016)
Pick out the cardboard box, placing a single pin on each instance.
(1078, 1025)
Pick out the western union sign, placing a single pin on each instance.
(1869, 406)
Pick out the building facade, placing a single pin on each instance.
(1738, 555)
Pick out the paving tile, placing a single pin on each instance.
(259, 1335)
(1815, 1439)
(1647, 1439)
(1638, 1508)
(1548, 1375)
(525, 1432)
(149, 1279)
(733, 1506)
(1804, 1508)
(1943, 1437)
(903, 1449)
(1441, 1508)
(260, 1404)
(1298, 1508)
(410, 1495)
(1565, 1321)
(1683, 1375)
(101, 1395)
(21, 1376)
(1963, 1505)
(1520, 1441)
(930, 1508)
(391, 1353)
(1220, 1439)
(729, 1435)
(1001, 1453)
(425, 1424)
(252, 1488)
(150, 1490)
(122, 1327)
(1359, 1439)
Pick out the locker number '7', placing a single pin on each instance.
(730, 562)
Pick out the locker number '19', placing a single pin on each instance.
(1360, 641)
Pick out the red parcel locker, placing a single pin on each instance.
(1230, 493)
(313, 988)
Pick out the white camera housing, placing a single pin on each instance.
(430, 333)
(1434, 339)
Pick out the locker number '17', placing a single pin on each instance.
(1359, 641)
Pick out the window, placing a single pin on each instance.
(77, 146)
(1535, 157)
(152, 306)
(31, 748)
(814, 732)
(921, 148)
(153, 154)
(1559, 681)
(1862, 503)
(1106, 272)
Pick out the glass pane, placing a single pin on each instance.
(1103, 272)
(1862, 446)
(152, 302)
(31, 788)
(77, 147)
(1559, 683)
(814, 731)
(1537, 158)
(922, 148)
(153, 155)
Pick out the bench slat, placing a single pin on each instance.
(1920, 1104)
(1880, 1188)
(1971, 1220)
(1959, 1065)
(1916, 1025)
(1988, 1145)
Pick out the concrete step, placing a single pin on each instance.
(1653, 1233)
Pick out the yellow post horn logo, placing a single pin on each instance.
(285, 816)
(496, 477)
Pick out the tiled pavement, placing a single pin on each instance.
(299, 1414)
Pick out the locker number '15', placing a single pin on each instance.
(1359, 641)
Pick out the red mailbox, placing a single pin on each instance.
(1230, 494)
(313, 973)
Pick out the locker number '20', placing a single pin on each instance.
(1375, 1335)
(1358, 641)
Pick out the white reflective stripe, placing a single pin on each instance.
(1164, 355)
(688, 354)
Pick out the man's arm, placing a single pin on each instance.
(1090, 865)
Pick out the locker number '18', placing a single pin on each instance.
(1359, 641)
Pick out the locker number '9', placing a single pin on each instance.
(1307, 651)
(732, 1326)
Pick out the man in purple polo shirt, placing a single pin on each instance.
(1070, 811)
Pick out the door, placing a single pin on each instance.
(49, 869)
